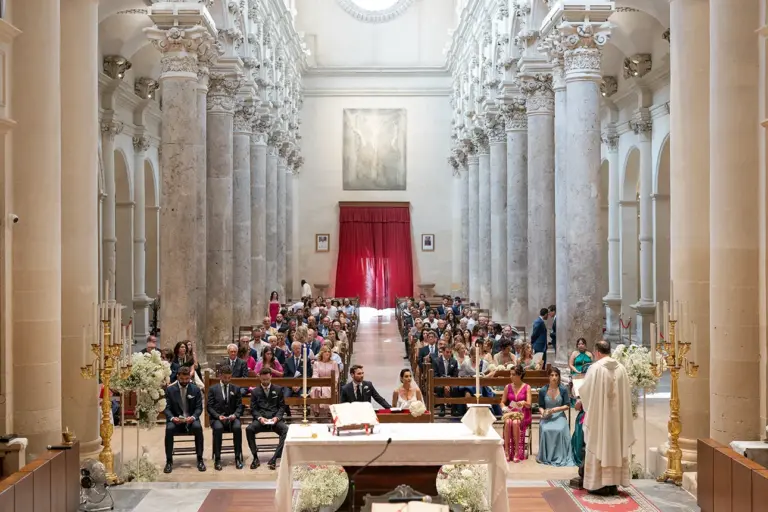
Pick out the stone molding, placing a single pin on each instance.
(259, 139)
(244, 115)
(141, 144)
(111, 129)
(271, 151)
(372, 16)
(473, 160)
(540, 98)
(611, 140)
(515, 115)
(637, 66)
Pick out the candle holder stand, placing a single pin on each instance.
(674, 356)
(304, 396)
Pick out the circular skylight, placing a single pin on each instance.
(375, 11)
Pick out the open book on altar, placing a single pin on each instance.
(354, 414)
(414, 506)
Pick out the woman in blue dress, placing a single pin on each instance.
(554, 431)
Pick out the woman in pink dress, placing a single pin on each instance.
(268, 360)
(323, 367)
(274, 306)
(516, 406)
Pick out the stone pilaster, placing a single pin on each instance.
(241, 215)
(457, 243)
(516, 126)
(582, 58)
(290, 278)
(484, 215)
(271, 218)
(464, 209)
(109, 130)
(180, 151)
(473, 165)
(140, 300)
(540, 105)
(219, 140)
(281, 226)
(612, 301)
(498, 205)
(259, 292)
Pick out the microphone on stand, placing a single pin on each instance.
(351, 488)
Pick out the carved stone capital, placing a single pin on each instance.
(263, 124)
(540, 98)
(608, 86)
(259, 139)
(111, 129)
(494, 125)
(221, 92)
(115, 66)
(468, 146)
(179, 47)
(145, 87)
(515, 115)
(641, 122)
(141, 144)
(244, 114)
(481, 140)
(611, 140)
(503, 9)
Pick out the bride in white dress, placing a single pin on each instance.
(408, 392)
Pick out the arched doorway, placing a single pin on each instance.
(661, 260)
(124, 231)
(629, 233)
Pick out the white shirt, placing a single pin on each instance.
(306, 290)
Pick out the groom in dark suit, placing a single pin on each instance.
(360, 390)
(225, 406)
(183, 408)
(267, 409)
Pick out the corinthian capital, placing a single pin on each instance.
(111, 129)
(244, 117)
(145, 87)
(480, 140)
(515, 115)
(641, 122)
(540, 98)
(221, 92)
(494, 125)
(179, 47)
(611, 140)
(141, 144)
(583, 44)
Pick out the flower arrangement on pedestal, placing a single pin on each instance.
(637, 361)
(417, 408)
(323, 488)
(465, 485)
(149, 373)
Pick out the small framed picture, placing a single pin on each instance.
(322, 242)
(427, 242)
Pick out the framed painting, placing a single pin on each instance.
(322, 242)
(374, 146)
(428, 243)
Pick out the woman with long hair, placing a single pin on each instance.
(180, 358)
(526, 358)
(274, 306)
(268, 360)
(554, 432)
(323, 367)
(408, 392)
(516, 406)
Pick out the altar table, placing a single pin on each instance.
(413, 444)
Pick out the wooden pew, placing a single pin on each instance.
(727, 481)
(50, 483)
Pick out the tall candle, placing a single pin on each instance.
(658, 314)
(653, 343)
(304, 373)
(477, 369)
(665, 321)
(695, 345)
(672, 293)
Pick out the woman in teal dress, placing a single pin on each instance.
(580, 358)
(554, 431)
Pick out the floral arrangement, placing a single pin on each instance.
(465, 485)
(501, 367)
(143, 471)
(322, 487)
(417, 408)
(637, 361)
(149, 372)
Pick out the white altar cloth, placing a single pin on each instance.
(413, 444)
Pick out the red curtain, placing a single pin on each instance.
(374, 255)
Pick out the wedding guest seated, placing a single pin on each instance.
(335, 357)
(348, 308)
(181, 359)
(268, 360)
(267, 409)
(244, 354)
(238, 366)
(322, 367)
(280, 324)
(554, 432)
(467, 368)
(294, 366)
(526, 358)
(581, 358)
(505, 357)
(225, 406)
(151, 344)
(360, 390)
(446, 367)
(516, 406)
(408, 392)
(183, 407)
(258, 342)
(283, 345)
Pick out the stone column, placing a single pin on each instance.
(36, 257)
(271, 219)
(464, 209)
(641, 124)
(484, 216)
(201, 180)
(612, 301)
(456, 241)
(219, 148)
(584, 234)
(561, 204)
(140, 300)
(280, 256)
(180, 150)
(79, 213)
(290, 278)
(241, 216)
(516, 125)
(109, 130)
(473, 164)
(498, 207)
(540, 106)
(734, 172)
(258, 219)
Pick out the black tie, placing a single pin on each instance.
(359, 394)
(226, 394)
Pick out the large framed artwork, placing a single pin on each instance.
(374, 149)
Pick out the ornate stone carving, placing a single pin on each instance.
(141, 144)
(145, 87)
(641, 122)
(459, 155)
(244, 117)
(515, 115)
(503, 9)
(176, 39)
(115, 66)
(481, 141)
(468, 146)
(540, 98)
(232, 36)
(178, 64)
(583, 43)
(111, 128)
(221, 92)
(357, 10)
(637, 66)
(611, 140)
(208, 52)
(494, 125)
(608, 86)
(134, 11)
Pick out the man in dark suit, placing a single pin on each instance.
(446, 366)
(458, 307)
(444, 307)
(238, 366)
(539, 334)
(430, 349)
(151, 345)
(183, 407)
(225, 406)
(267, 409)
(279, 323)
(553, 334)
(360, 390)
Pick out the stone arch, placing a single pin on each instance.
(151, 231)
(661, 224)
(629, 233)
(124, 234)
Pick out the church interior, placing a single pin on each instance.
(426, 190)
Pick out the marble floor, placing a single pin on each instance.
(380, 350)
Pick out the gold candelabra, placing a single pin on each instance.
(304, 395)
(107, 365)
(674, 355)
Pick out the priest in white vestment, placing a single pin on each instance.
(608, 424)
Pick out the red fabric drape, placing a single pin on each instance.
(374, 255)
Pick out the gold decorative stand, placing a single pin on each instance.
(674, 356)
(107, 365)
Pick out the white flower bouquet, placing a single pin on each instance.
(637, 361)
(465, 485)
(143, 471)
(322, 487)
(417, 408)
(149, 373)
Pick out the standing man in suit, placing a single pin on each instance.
(553, 334)
(225, 406)
(446, 366)
(539, 335)
(444, 307)
(458, 307)
(183, 407)
(429, 350)
(238, 366)
(267, 409)
(360, 390)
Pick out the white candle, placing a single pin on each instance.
(653, 343)
(672, 293)
(304, 373)
(695, 345)
(85, 346)
(477, 369)
(665, 321)
(658, 313)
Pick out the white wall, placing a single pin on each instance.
(415, 38)
(429, 179)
